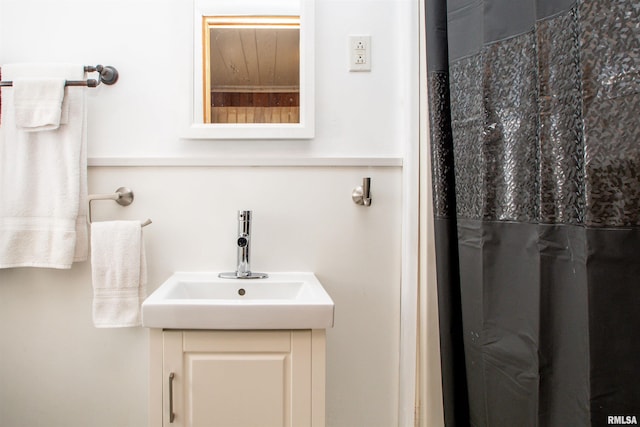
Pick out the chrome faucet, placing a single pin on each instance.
(243, 243)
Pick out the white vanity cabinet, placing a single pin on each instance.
(236, 378)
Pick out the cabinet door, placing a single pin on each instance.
(238, 379)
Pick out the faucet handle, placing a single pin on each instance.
(243, 241)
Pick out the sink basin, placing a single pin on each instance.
(205, 301)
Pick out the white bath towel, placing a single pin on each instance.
(37, 103)
(43, 181)
(119, 273)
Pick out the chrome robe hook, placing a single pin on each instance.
(361, 195)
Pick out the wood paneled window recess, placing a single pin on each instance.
(251, 69)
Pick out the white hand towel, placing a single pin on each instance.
(38, 103)
(43, 178)
(119, 273)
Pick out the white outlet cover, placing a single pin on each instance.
(359, 49)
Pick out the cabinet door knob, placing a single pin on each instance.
(172, 416)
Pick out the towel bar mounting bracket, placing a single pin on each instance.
(125, 196)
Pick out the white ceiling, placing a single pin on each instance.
(255, 59)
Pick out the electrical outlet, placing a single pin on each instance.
(360, 53)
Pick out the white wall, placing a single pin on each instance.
(57, 369)
(148, 41)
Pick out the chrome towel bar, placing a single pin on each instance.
(123, 196)
(108, 76)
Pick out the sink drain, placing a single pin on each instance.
(241, 292)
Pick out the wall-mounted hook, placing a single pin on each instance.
(362, 194)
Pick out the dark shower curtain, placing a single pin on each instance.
(534, 113)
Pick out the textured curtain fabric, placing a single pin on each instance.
(534, 111)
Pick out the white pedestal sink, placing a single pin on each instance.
(202, 300)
